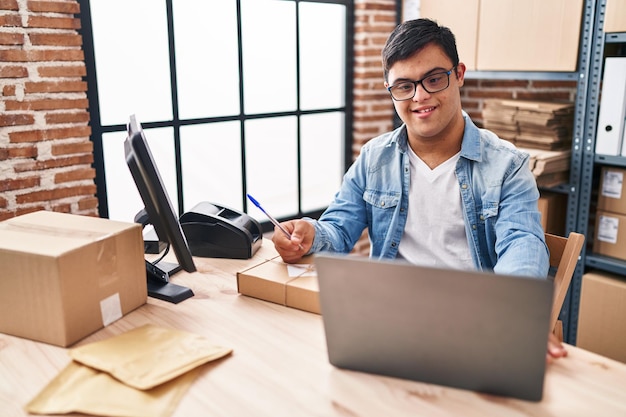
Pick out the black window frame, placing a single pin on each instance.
(176, 123)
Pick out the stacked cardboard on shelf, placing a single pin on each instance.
(543, 129)
(531, 124)
(551, 168)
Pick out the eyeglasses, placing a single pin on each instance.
(434, 83)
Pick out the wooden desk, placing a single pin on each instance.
(279, 365)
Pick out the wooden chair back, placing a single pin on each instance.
(564, 254)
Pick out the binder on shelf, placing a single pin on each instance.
(624, 136)
(612, 107)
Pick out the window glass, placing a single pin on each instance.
(132, 59)
(269, 55)
(124, 199)
(322, 55)
(322, 158)
(272, 165)
(207, 64)
(211, 164)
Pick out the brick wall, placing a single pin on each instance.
(45, 151)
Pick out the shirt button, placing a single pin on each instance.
(474, 226)
(382, 204)
(464, 186)
(393, 244)
(482, 217)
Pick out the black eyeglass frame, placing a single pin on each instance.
(420, 82)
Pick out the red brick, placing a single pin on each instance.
(3, 203)
(19, 183)
(13, 71)
(72, 148)
(75, 175)
(47, 104)
(4, 154)
(55, 194)
(8, 91)
(56, 39)
(88, 203)
(75, 117)
(10, 20)
(62, 71)
(53, 22)
(53, 163)
(9, 5)
(16, 119)
(69, 7)
(11, 38)
(5, 215)
(62, 208)
(12, 55)
(48, 134)
(28, 151)
(55, 87)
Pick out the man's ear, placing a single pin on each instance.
(460, 73)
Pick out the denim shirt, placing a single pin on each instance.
(498, 192)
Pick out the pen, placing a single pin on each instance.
(273, 220)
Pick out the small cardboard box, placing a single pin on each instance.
(615, 16)
(532, 35)
(275, 281)
(66, 276)
(610, 234)
(612, 192)
(602, 315)
(553, 209)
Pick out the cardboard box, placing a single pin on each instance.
(65, 276)
(610, 235)
(553, 209)
(615, 16)
(532, 35)
(612, 192)
(602, 315)
(289, 285)
(461, 16)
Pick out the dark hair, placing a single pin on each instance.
(411, 36)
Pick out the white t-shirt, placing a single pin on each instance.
(435, 230)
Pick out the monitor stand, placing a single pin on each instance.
(159, 286)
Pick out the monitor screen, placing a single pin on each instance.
(157, 204)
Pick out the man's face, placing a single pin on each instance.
(428, 116)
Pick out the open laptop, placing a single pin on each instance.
(464, 329)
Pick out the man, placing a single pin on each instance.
(436, 191)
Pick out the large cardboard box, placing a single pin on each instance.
(289, 285)
(612, 192)
(610, 234)
(531, 35)
(461, 16)
(602, 315)
(65, 276)
(615, 16)
(553, 209)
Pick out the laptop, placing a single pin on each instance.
(464, 329)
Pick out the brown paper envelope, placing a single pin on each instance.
(148, 355)
(81, 389)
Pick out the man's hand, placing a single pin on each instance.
(556, 349)
(302, 234)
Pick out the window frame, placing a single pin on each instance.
(176, 123)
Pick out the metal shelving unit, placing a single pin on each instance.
(592, 161)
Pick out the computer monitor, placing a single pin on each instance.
(160, 213)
